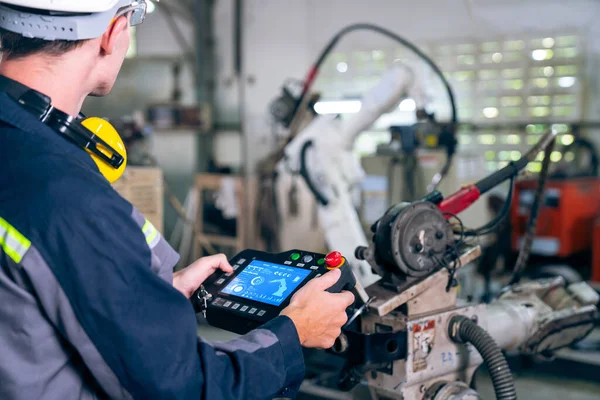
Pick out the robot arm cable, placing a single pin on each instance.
(312, 75)
(363, 26)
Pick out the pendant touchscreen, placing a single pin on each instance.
(266, 282)
(262, 285)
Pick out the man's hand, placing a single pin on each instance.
(188, 280)
(317, 314)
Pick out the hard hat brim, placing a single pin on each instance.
(60, 27)
(72, 6)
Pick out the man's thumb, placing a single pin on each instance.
(328, 280)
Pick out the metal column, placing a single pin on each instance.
(205, 93)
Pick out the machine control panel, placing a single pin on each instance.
(261, 286)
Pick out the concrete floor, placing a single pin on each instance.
(534, 386)
(530, 386)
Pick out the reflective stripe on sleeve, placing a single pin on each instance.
(12, 242)
(151, 233)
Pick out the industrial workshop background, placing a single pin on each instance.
(507, 61)
(519, 69)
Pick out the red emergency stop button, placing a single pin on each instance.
(334, 260)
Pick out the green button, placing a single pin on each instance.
(295, 257)
(321, 261)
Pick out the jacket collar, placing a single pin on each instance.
(11, 113)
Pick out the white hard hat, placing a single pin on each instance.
(66, 19)
(74, 6)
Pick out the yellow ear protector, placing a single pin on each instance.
(95, 135)
(114, 146)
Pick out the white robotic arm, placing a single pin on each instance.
(323, 154)
(411, 340)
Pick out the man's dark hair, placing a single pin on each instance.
(14, 46)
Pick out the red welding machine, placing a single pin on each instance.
(566, 221)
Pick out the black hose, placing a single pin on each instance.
(463, 330)
(514, 167)
(497, 222)
(538, 202)
(321, 198)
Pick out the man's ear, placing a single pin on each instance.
(109, 38)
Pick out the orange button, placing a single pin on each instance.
(334, 260)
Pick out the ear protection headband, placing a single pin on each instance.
(95, 135)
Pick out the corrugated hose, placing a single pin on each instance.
(464, 330)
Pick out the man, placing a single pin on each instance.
(89, 306)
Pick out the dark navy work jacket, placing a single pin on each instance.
(87, 306)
